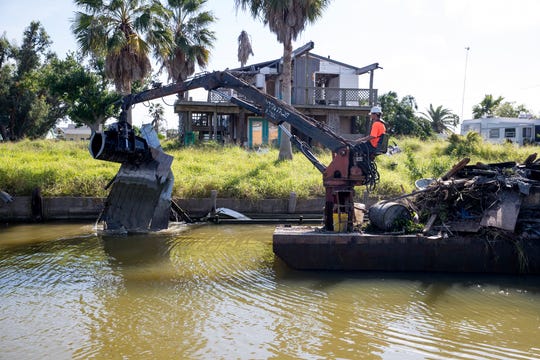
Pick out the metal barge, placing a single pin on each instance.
(484, 219)
(310, 248)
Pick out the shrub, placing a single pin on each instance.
(464, 146)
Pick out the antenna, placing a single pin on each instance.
(464, 79)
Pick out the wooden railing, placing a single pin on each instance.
(317, 96)
(334, 96)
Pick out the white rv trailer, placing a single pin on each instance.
(521, 130)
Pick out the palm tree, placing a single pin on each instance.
(157, 112)
(441, 119)
(286, 19)
(244, 48)
(487, 106)
(192, 40)
(124, 32)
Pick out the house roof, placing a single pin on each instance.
(358, 71)
(71, 129)
(300, 51)
(500, 120)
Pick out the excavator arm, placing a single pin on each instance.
(351, 165)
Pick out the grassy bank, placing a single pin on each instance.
(67, 169)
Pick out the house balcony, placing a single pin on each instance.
(342, 97)
(315, 96)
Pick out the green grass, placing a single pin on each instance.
(59, 168)
(238, 173)
(66, 168)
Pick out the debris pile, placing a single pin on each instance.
(502, 199)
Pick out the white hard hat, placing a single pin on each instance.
(376, 110)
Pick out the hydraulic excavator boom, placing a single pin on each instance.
(141, 194)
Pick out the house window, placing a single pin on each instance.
(510, 132)
(493, 133)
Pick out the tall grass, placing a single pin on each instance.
(59, 168)
(67, 169)
(238, 173)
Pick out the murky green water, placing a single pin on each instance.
(218, 292)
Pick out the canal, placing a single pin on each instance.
(218, 292)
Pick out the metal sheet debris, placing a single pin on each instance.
(480, 198)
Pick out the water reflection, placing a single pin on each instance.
(206, 292)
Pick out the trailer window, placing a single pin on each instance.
(527, 132)
(493, 133)
(510, 132)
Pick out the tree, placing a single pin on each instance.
(84, 90)
(7, 50)
(244, 48)
(124, 32)
(441, 119)
(487, 106)
(286, 19)
(32, 53)
(157, 112)
(7, 70)
(191, 42)
(37, 88)
(399, 116)
(27, 104)
(389, 104)
(27, 107)
(508, 109)
(192, 39)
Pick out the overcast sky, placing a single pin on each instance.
(420, 44)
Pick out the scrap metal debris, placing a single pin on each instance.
(5, 197)
(502, 197)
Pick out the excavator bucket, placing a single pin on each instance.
(140, 196)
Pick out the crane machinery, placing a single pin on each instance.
(140, 197)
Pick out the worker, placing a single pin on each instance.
(378, 129)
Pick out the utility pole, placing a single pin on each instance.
(464, 80)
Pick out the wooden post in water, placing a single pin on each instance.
(37, 205)
(213, 200)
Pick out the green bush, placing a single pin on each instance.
(464, 146)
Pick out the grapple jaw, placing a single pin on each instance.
(140, 196)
